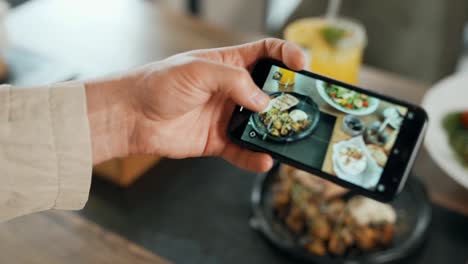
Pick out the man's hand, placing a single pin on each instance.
(180, 107)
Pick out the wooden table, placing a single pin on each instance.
(99, 37)
(339, 135)
(64, 237)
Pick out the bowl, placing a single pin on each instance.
(412, 206)
(447, 96)
(352, 125)
(373, 102)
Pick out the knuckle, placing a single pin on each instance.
(196, 63)
(241, 76)
(271, 39)
(239, 73)
(271, 42)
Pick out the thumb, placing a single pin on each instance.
(238, 84)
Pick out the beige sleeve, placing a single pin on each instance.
(45, 149)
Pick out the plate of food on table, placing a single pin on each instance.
(289, 117)
(346, 100)
(353, 162)
(360, 152)
(314, 220)
(447, 133)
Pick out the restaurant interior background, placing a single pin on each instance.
(200, 210)
(419, 39)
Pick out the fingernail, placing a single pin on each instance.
(261, 99)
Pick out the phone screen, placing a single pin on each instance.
(341, 132)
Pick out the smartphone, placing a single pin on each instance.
(356, 138)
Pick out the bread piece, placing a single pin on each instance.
(378, 154)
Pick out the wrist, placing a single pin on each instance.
(111, 118)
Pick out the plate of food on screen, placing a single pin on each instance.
(354, 163)
(289, 117)
(316, 221)
(346, 100)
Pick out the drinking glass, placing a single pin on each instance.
(334, 47)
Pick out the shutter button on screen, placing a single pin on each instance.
(380, 188)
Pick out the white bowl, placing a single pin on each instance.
(369, 177)
(447, 96)
(373, 102)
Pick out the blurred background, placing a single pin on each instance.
(422, 39)
(149, 209)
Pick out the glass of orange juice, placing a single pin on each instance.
(286, 80)
(334, 46)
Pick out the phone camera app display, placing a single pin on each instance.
(340, 131)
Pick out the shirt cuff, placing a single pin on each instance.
(67, 102)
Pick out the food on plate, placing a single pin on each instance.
(281, 122)
(315, 184)
(298, 115)
(347, 98)
(351, 160)
(375, 135)
(367, 211)
(464, 119)
(337, 225)
(352, 125)
(456, 126)
(378, 154)
(283, 102)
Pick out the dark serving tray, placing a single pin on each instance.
(412, 206)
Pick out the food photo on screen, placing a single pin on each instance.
(339, 131)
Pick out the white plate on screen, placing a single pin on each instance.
(373, 102)
(448, 95)
(367, 179)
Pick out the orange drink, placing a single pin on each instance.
(334, 47)
(287, 79)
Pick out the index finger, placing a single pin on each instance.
(287, 52)
(246, 55)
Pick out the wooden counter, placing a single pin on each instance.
(64, 237)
